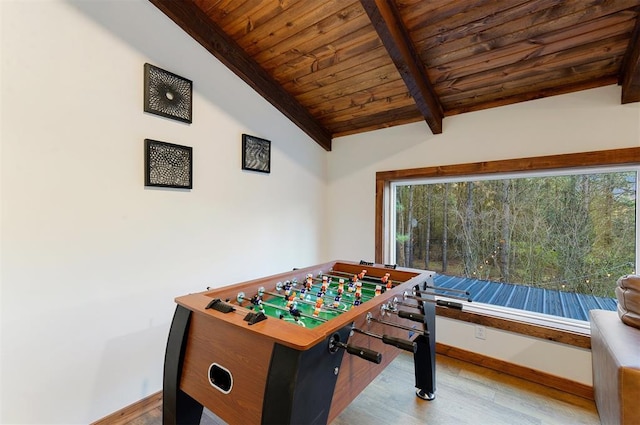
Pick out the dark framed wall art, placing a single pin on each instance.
(168, 165)
(256, 154)
(167, 94)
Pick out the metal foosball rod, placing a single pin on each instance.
(442, 303)
(240, 298)
(331, 284)
(343, 275)
(325, 307)
(403, 344)
(445, 289)
(413, 295)
(370, 319)
(389, 310)
(346, 294)
(368, 286)
(441, 295)
(364, 353)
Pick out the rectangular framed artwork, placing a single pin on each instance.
(168, 165)
(256, 154)
(167, 94)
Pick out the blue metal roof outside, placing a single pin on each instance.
(547, 301)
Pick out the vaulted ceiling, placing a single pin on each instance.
(339, 67)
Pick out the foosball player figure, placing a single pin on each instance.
(257, 298)
(309, 283)
(340, 286)
(361, 274)
(336, 300)
(316, 311)
(293, 310)
(325, 284)
(358, 289)
(358, 300)
(386, 281)
(290, 301)
(378, 290)
(352, 283)
(287, 288)
(303, 290)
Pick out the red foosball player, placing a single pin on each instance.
(290, 300)
(325, 284)
(378, 290)
(386, 280)
(309, 283)
(358, 289)
(361, 274)
(340, 286)
(316, 311)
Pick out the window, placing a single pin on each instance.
(562, 234)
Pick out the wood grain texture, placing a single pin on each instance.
(341, 67)
(627, 156)
(630, 73)
(232, 347)
(468, 394)
(387, 22)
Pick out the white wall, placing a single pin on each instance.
(91, 260)
(586, 121)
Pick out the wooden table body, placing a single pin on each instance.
(281, 372)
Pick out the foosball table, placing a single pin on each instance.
(298, 347)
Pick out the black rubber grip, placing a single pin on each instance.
(218, 304)
(416, 317)
(449, 304)
(403, 344)
(365, 353)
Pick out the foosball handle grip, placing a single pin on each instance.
(365, 353)
(403, 344)
(449, 304)
(416, 317)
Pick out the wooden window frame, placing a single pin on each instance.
(613, 157)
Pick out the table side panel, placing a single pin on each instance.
(245, 355)
(356, 373)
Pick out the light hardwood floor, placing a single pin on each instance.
(466, 394)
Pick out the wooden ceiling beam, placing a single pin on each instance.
(385, 17)
(630, 70)
(197, 24)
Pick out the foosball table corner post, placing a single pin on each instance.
(177, 406)
(425, 355)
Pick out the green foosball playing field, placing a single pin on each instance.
(316, 300)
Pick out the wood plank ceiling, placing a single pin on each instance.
(339, 67)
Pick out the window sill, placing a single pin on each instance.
(565, 331)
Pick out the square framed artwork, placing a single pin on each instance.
(256, 154)
(168, 165)
(167, 94)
